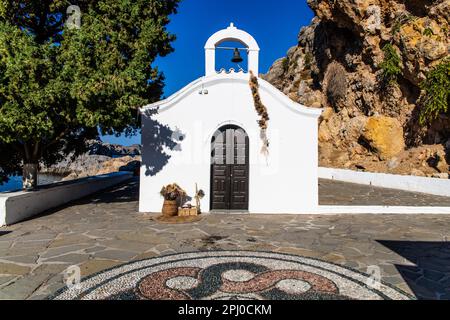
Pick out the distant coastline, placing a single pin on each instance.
(15, 182)
(101, 158)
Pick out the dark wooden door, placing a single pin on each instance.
(230, 170)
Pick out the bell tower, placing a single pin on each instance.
(231, 34)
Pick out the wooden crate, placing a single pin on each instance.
(185, 212)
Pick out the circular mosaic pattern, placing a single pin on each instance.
(236, 275)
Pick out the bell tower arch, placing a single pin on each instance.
(231, 34)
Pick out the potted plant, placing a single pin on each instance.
(171, 193)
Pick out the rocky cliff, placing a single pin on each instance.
(364, 61)
(101, 158)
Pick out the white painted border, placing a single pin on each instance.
(355, 210)
(231, 77)
(21, 205)
(438, 187)
(340, 210)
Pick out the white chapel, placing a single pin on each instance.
(243, 142)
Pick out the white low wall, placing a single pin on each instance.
(438, 187)
(21, 205)
(343, 210)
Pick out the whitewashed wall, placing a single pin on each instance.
(285, 182)
(438, 187)
(22, 205)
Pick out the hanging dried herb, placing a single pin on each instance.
(261, 110)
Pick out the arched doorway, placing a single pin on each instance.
(230, 169)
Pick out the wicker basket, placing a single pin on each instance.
(170, 208)
(187, 212)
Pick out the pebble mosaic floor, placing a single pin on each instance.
(231, 275)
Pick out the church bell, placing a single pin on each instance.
(237, 56)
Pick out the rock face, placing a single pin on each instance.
(97, 147)
(385, 136)
(102, 158)
(337, 66)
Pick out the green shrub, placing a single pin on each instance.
(436, 87)
(294, 64)
(308, 60)
(400, 21)
(428, 32)
(286, 63)
(391, 65)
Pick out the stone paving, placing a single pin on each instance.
(342, 193)
(104, 231)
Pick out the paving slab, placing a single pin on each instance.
(71, 258)
(13, 269)
(96, 265)
(22, 288)
(116, 255)
(4, 279)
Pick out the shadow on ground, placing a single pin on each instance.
(429, 278)
(122, 193)
(127, 192)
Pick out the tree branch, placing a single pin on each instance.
(27, 152)
(17, 148)
(36, 155)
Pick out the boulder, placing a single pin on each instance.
(132, 166)
(385, 136)
(328, 112)
(373, 22)
(324, 132)
(438, 161)
(276, 73)
(120, 164)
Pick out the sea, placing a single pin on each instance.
(15, 182)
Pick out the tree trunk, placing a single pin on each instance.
(30, 176)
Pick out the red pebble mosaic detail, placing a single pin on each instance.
(269, 279)
(153, 287)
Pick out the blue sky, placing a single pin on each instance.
(274, 24)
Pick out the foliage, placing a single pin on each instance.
(336, 83)
(308, 60)
(172, 192)
(391, 66)
(286, 64)
(401, 20)
(436, 88)
(3, 178)
(60, 86)
(428, 32)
